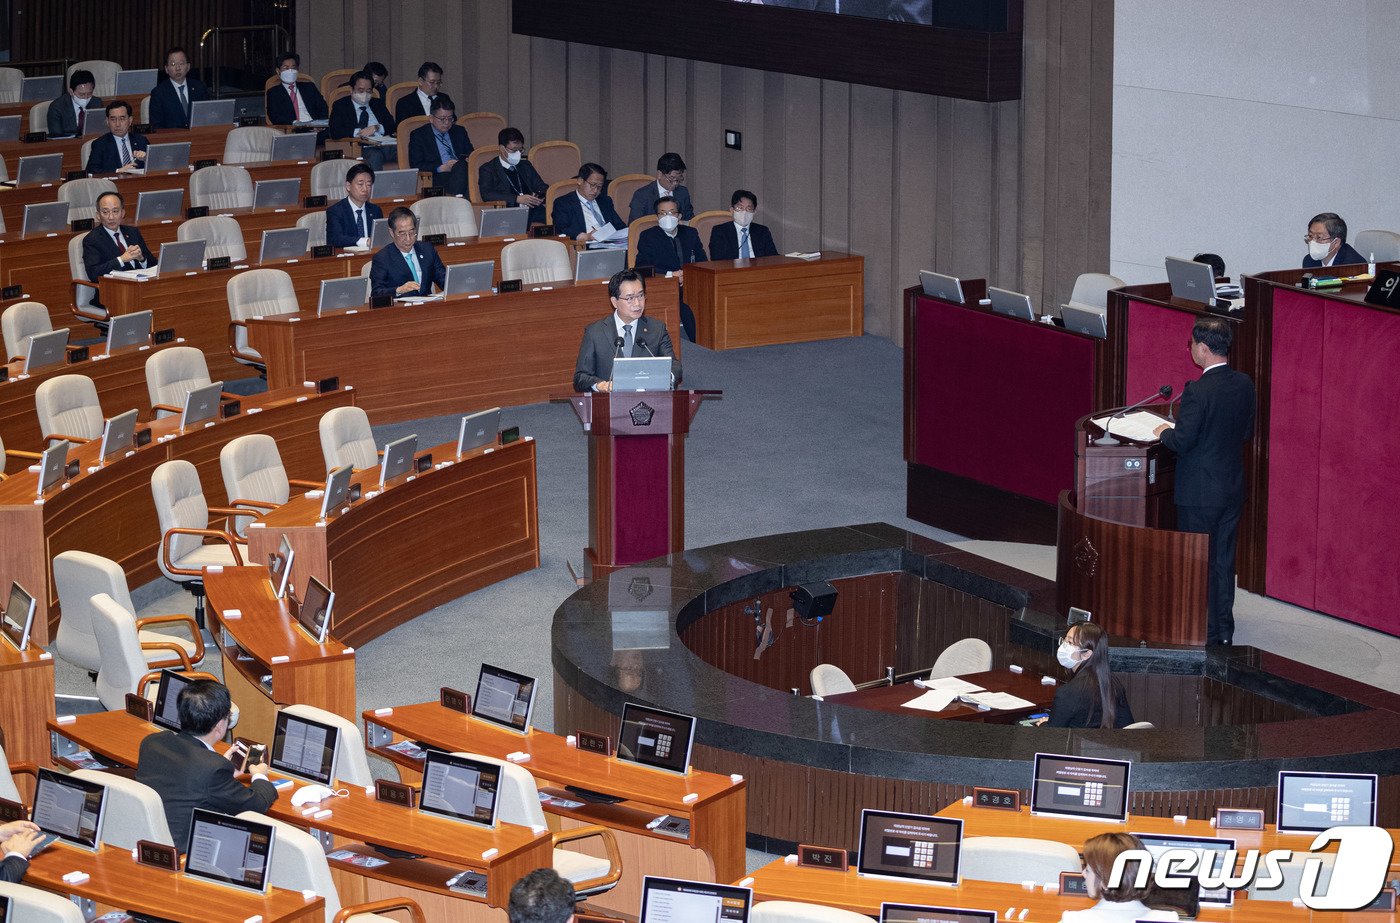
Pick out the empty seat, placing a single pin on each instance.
(171, 374)
(122, 663)
(351, 762)
(254, 476)
(249, 144)
(81, 195)
(704, 223)
(133, 810)
(221, 235)
(621, 188)
(970, 655)
(346, 438)
(316, 222)
(536, 261)
(11, 83)
(68, 408)
(328, 179)
(445, 215)
(257, 293)
(22, 320)
(829, 679)
(222, 187)
(184, 524)
(1091, 290)
(30, 905)
(1382, 246)
(1014, 859)
(482, 128)
(555, 161)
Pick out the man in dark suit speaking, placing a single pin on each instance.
(625, 332)
(187, 773)
(1217, 417)
(407, 267)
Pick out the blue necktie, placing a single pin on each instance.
(413, 268)
(597, 215)
(360, 220)
(444, 147)
(744, 250)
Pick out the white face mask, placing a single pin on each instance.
(360, 99)
(513, 158)
(1318, 251)
(742, 218)
(1067, 655)
(289, 75)
(668, 222)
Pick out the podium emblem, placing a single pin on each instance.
(640, 588)
(1086, 556)
(642, 414)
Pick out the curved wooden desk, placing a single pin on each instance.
(26, 703)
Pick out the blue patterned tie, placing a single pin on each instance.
(744, 250)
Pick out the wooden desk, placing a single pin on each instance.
(110, 511)
(459, 527)
(776, 299)
(714, 852)
(892, 698)
(26, 702)
(451, 356)
(205, 144)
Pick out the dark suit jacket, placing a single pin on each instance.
(599, 346)
(1217, 416)
(100, 250)
(655, 249)
(389, 270)
(568, 214)
(408, 106)
(340, 222)
(495, 185)
(1346, 255)
(166, 111)
(345, 118)
(62, 120)
(103, 157)
(1077, 704)
(644, 202)
(724, 241)
(188, 775)
(279, 103)
(423, 152)
(12, 869)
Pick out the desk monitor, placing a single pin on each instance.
(38, 89)
(655, 738)
(46, 349)
(166, 710)
(159, 205)
(39, 168)
(911, 913)
(1089, 321)
(229, 850)
(504, 698)
(1218, 851)
(277, 193)
(118, 434)
(466, 278)
(95, 126)
(1190, 280)
(1013, 304)
(460, 788)
(673, 900)
(53, 465)
(70, 809)
(18, 618)
(478, 429)
(314, 612)
(380, 235)
(599, 264)
(181, 256)
(337, 486)
(503, 222)
(304, 748)
(343, 294)
(1080, 787)
(210, 113)
(279, 567)
(167, 156)
(201, 404)
(398, 459)
(937, 285)
(1310, 802)
(910, 847)
(396, 184)
(284, 244)
(641, 373)
(136, 82)
(294, 146)
(44, 218)
(127, 330)
(9, 128)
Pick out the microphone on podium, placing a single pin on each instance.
(1107, 438)
(617, 347)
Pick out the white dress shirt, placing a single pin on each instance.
(427, 102)
(589, 221)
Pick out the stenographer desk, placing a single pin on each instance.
(110, 511)
(893, 699)
(714, 850)
(776, 299)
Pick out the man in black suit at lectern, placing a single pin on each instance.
(1217, 417)
(625, 332)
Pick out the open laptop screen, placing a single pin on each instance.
(166, 713)
(504, 697)
(69, 808)
(1080, 787)
(918, 847)
(460, 788)
(671, 900)
(304, 748)
(229, 850)
(19, 616)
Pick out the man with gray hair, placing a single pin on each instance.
(1327, 243)
(541, 897)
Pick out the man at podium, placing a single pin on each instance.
(625, 332)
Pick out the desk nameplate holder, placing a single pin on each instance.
(157, 855)
(1239, 819)
(455, 699)
(593, 743)
(395, 793)
(832, 858)
(139, 707)
(1073, 884)
(1000, 799)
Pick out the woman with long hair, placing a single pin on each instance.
(1123, 904)
(1092, 698)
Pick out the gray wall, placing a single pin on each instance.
(1015, 192)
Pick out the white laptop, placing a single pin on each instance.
(466, 278)
(380, 235)
(295, 146)
(396, 184)
(1089, 321)
(46, 349)
(206, 113)
(118, 434)
(201, 404)
(937, 285)
(1013, 304)
(478, 429)
(39, 168)
(39, 89)
(643, 373)
(1190, 280)
(284, 244)
(599, 264)
(277, 193)
(126, 330)
(44, 218)
(9, 128)
(337, 486)
(504, 222)
(136, 82)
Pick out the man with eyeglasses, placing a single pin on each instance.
(586, 215)
(172, 100)
(442, 147)
(626, 332)
(407, 268)
(121, 150)
(420, 101)
(1327, 243)
(113, 245)
(670, 182)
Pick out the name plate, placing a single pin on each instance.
(82, 224)
(1073, 884)
(1003, 799)
(1385, 290)
(323, 250)
(11, 811)
(197, 211)
(434, 239)
(543, 230)
(511, 285)
(823, 857)
(432, 192)
(11, 291)
(455, 700)
(593, 743)
(220, 262)
(1384, 902)
(314, 201)
(33, 137)
(157, 855)
(206, 162)
(327, 385)
(1239, 819)
(80, 354)
(395, 793)
(423, 463)
(230, 409)
(163, 336)
(139, 706)
(74, 174)
(333, 154)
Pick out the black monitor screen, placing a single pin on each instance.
(229, 850)
(655, 738)
(911, 846)
(304, 748)
(670, 900)
(504, 697)
(1310, 802)
(460, 788)
(279, 566)
(1077, 786)
(69, 808)
(19, 617)
(913, 913)
(1217, 850)
(314, 612)
(166, 714)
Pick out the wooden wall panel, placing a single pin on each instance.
(134, 33)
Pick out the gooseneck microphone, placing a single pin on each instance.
(1107, 438)
(617, 347)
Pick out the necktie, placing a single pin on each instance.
(296, 110)
(125, 151)
(364, 117)
(444, 148)
(676, 244)
(360, 222)
(744, 250)
(514, 179)
(121, 245)
(185, 104)
(593, 210)
(413, 268)
(627, 341)
(82, 116)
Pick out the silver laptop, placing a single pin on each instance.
(599, 264)
(380, 235)
(277, 193)
(45, 218)
(505, 222)
(337, 486)
(284, 244)
(398, 459)
(206, 113)
(295, 146)
(182, 256)
(9, 127)
(159, 205)
(642, 373)
(38, 89)
(1190, 280)
(466, 278)
(478, 429)
(201, 404)
(343, 294)
(1011, 303)
(53, 464)
(172, 155)
(118, 434)
(937, 285)
(93, 125)
(136, 82)
(39, 168)
(46, 349)
(395, 184)
(1091, 321)
(127, 330)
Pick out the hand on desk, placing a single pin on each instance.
(604, 386)
(585, 236)
(19, 836)
(131, 254)
(409, 286)
(1160, 430)
(531, 200)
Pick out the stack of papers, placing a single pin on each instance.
(805, 256)
(134, 275)
(1000, 701)
(941, 693)
(1137, 426)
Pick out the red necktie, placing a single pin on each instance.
(296, 112)
(81, 113)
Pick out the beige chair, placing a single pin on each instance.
(328, 179)
(22, 320)
(249, 144)
(1382, 246)
(332, 80)
(315, 221)
(704, 224)
(335, 94)
(399, 91)
(536, 261)
(475, 159)
(798, 912)
(351, 761)
(123, 656)
(445, 215)
(172, 373)
(4, 177)
(555, 190)
(84, 292)
(11, 83)
(30, 905)
(39, 116)
(221, 235)
(78, 577)
(133, 811)
(104, 72)
(346, 438)
(256, 293)
(85, 151)
(146, 109)
(634, 233)
(1091, 290)
(556, 161)
(68, 408)
(970, 655)
(81, 195)
(7, 454)
(184, 525)
(404, 130)
(254, 476)
(221, 187)
(1014, 859)
(829, 679)
(483, 128)
(621, 188)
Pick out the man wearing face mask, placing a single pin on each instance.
(360, 115)
(741, 239)
(668, 247)
(293, 102)
(1327, 243)
(511, 178)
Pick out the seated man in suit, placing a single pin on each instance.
(543, 896)
(670, 181)
(121, 150)
(407, 267)
(361, 115)
(420, 101)
(172, 99)
(668, 247)
(17, 840)
(625, 332)
(69, 113)
(350, 222)
(442, 147)
(113, 245)
(293, 102)
(187, 773)
(741, 239)
(1327, 243)
(379, 74)
(512, 179)
(579, 215)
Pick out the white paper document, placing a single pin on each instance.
(608, 232)
(952, 684)
(933, 700)
(1000, 701)
(1137, 426)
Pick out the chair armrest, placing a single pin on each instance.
(25, 768)
(609, 843)
(205, 533)
(86, 284)
(182, 658)
(168, 407)
(177, 619)
(64, 437)
(17, 453)
(243, 507)
(309, 485)
(154, 676)
(393, 903)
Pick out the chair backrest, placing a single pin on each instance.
(11, 82)
(518, 797)
(4, 177)
(556, 160)
(445, 215)
(253, 470)
(621, 188)
(704, 223)
(331, 80)
(328, 179)
(174, 372)
(346, 438)
(68, 404)
(123, 663)
(298, 862)
(1140, 726)
(798, 912)
(829, 679)
(970, 655)
(405, 130)
(351, 762)
(555, 190)
(134, 811)
(146, 109)
(81, 195)
(536, 261)
(180, 504)
(39, 116)
(1383, 245)
(221, 235)
(316, 222)
(103, 72)
(22, 320)
(222, 187)
(1091, 288)
(1016, 859)
(482, 129)
(30, 905)
(85, 151)
(8, 790)
(258, 293)
(475, 159)
(79, 576)
(397, 92)
(336, 94)
(249, 144)
(634, 233)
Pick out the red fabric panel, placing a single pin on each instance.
(996, 399)
(1159, 351)
(642, 497)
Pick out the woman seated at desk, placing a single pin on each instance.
(1123, 904)
(1092, 698)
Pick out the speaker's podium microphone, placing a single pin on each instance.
(1107, 439)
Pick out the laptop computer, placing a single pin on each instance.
(118, 434)
(395, 184)
(126, 330)
(398, 459)
(229, 851)
(160, 205)
(1086, 320)
(38, 89)
(504, 222)
(169, 155)
(53, 466)
(46, 349)
(136, 82)
(645, 373)
(599, 264)
(1013, 304)
(937, 285)
(70, 809)
(182, 256)
(337, 486)
(9, 127)
(380, 235)
(44, 218)
(94, 124)
(478, 429)
(284, 244)
(39, 168)
(465, 278)
(294, 146)
(277, 193)
(18, 617)
(201, 404)
(1190, 280)
(343, 294)
(208, 113)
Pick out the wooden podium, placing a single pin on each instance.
(636, 473)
